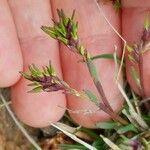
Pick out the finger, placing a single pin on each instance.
(10, 54)
(41, 109)
(133, 14)
(98, 38)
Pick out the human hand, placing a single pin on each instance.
(41, 109)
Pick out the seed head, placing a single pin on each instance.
(45, 80)
(65, 31)
(144, 44)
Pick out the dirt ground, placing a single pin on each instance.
(11, 138)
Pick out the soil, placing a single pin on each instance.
(11, 138)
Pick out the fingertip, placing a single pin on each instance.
(133, 15)
(10, 67)
(98, 38)
(89, 119)
(37, 109)
(10, 53)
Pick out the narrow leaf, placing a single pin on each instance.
(26, 76)
(146, 22)
(106, 125)
(105, 56)
(100, 144)
(129, 48)
(127, 128)
(92, 70)
(34, 84)
(35, 90)
(90, 132)
(73, 14)
(50, 31)
(91, 96)
(72, 147)
(63, 40)
(135, 76)
(112, 145)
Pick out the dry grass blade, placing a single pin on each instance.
(25, 133)
(115, 60)
(112, 145)
(124, 41)
(62, 128)
(2, 105)
(131, 119)
(144, 101)
(132, 111)
(122, 60)
(136, 102)
(135, 115)
(102, 13)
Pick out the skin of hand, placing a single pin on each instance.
(20, 27)
(132, 30)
